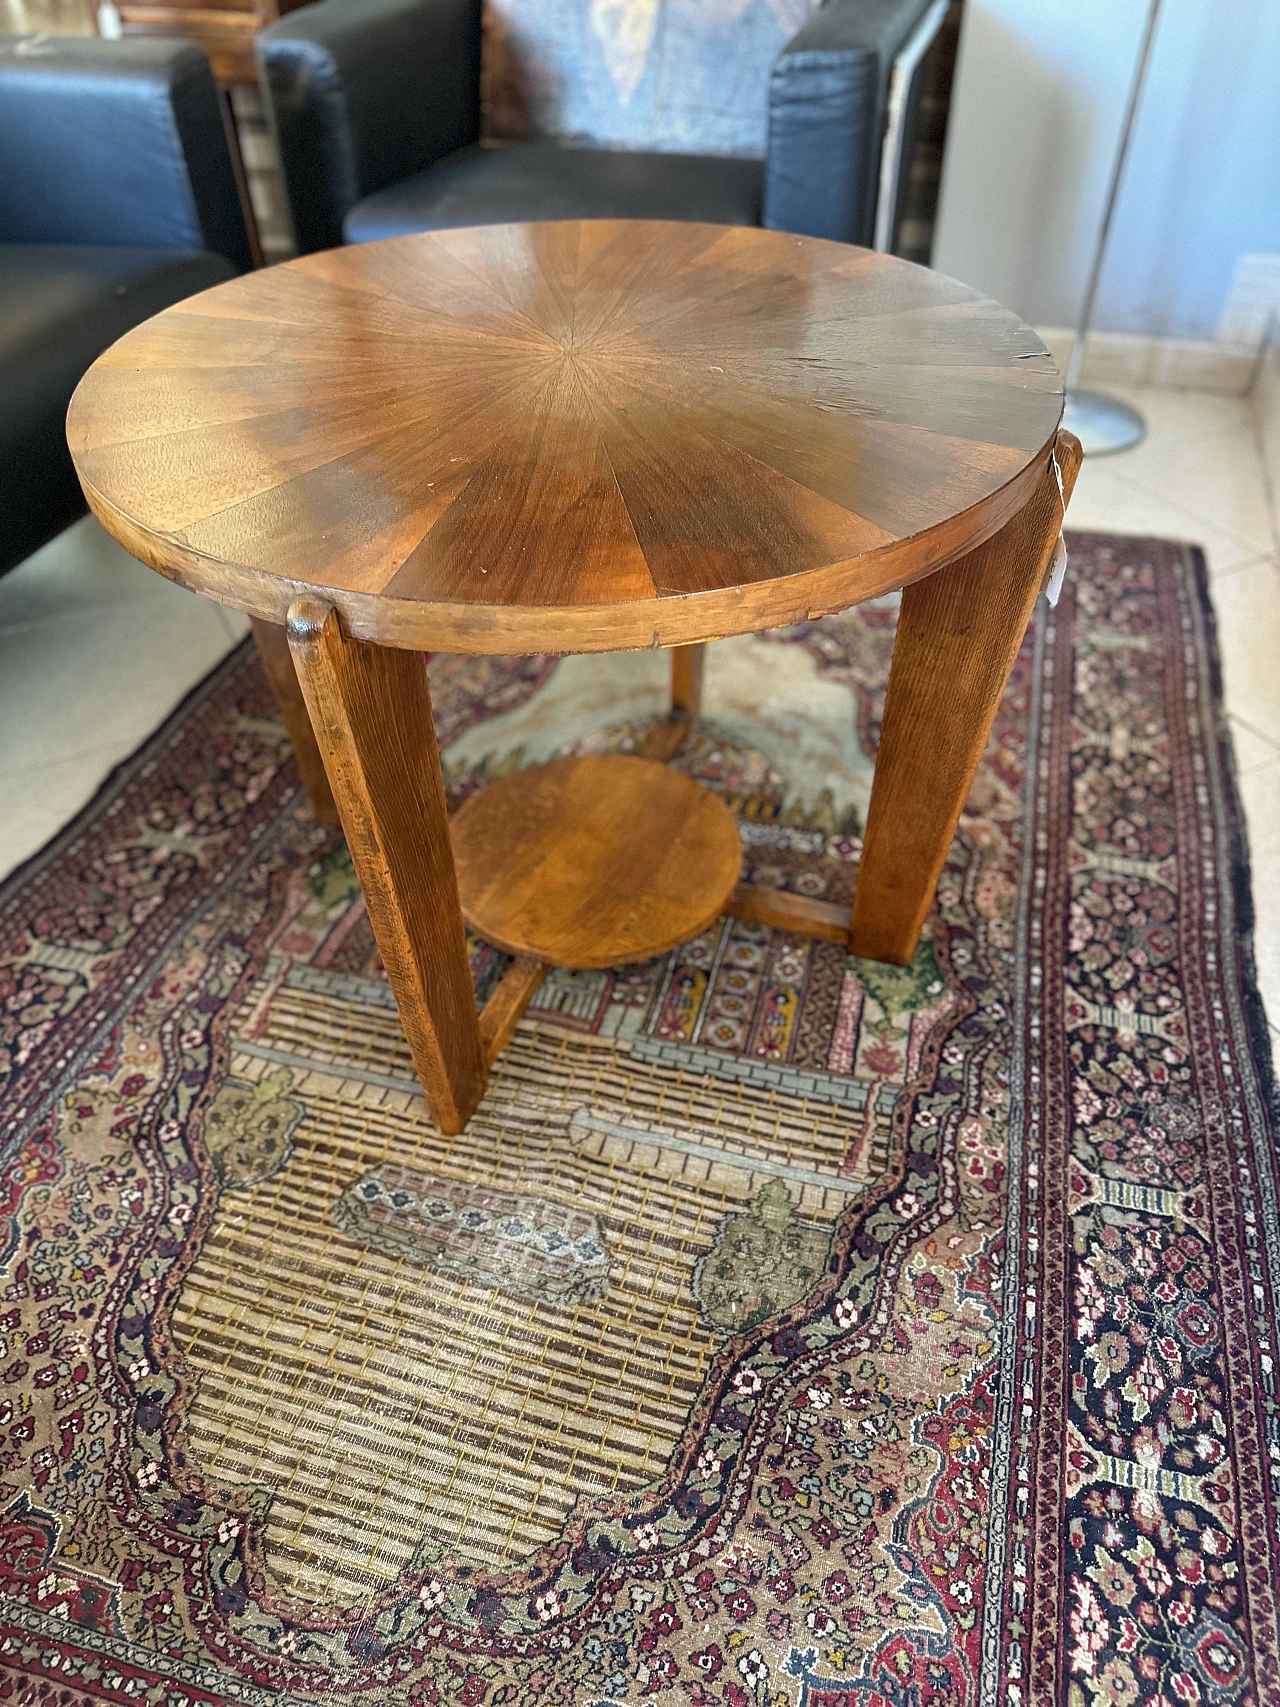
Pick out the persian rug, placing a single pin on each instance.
(784, 1329)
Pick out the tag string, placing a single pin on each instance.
(1057, 474)
(1058, 564)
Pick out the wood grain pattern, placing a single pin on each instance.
(688, 666)
(595, 861)
(501, 1013)
(371, 710)
(272, 642)
(783, 911)
(666, 740)
(958, 635)
(566, 437)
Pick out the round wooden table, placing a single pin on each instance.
(585, 437)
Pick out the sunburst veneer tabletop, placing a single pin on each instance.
(570, 436)
(583, 437)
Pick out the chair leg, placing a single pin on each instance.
(277, 665)
(958, 635)
(371, 709)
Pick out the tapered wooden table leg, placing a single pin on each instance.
(958, 635)
(664, 742)
(371, 709)
(277, 665)
(687, 666)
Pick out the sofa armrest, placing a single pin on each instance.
(827, 98)
(115, 142)
(361, 93)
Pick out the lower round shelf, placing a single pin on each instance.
(594, 862)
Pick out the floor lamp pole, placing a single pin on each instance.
(1102, 423)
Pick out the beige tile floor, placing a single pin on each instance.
(95, 649)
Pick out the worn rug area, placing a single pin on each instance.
(784, 1328)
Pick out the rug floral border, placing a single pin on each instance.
(568, 1589)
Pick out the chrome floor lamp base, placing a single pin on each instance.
(1102, 424)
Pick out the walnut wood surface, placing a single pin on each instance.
(666, 740)
(688, 666)
(272, 642)
(595, 861)
(782, 910)
(371, 709)
(566, 437)
(501, 1013)
(958, 635)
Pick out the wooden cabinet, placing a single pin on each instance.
(225, 31)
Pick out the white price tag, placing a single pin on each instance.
(1058, 567)
(1057, 571)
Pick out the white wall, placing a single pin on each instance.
(1036, 111)
(1266, 404)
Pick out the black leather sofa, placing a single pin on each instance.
(116, 199)
(376, 110)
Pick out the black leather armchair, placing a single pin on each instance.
(116, 199)
(376, 111)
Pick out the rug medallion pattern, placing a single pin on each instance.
(784, 1328)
